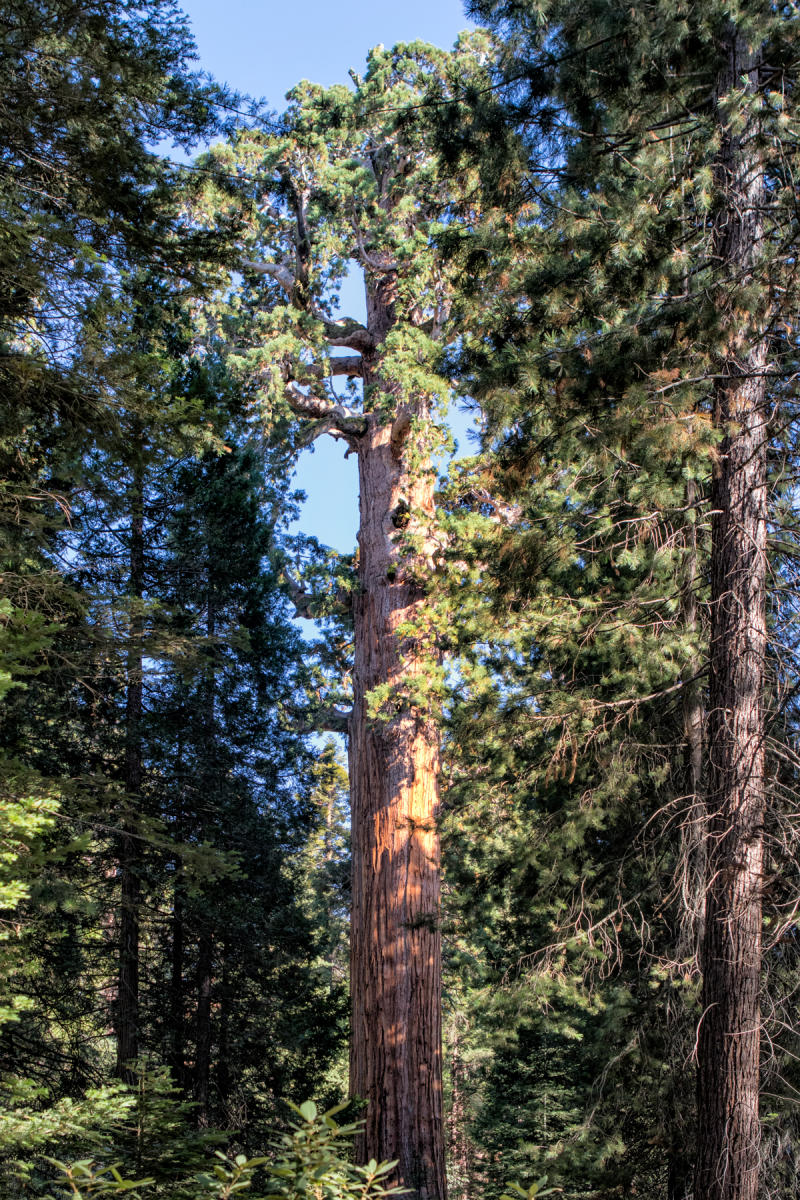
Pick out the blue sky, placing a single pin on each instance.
(263, 49)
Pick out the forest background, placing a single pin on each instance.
(548, 906)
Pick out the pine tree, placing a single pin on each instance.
(653, 208)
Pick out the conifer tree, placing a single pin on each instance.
(88, 89)
(101, 408)
(351, 176)
(653, 277)
(231, 776)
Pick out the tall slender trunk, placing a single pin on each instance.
(729, 1034)
(202, 1057)
(694, 843)
(177, 998)
(460, 1148)
(205, 957)
(395, 954)
(692, 871)
(177, 1001)
(127, 1007)
(223, 1068)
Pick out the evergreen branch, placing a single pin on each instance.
(307, 404)
(348, 333)
(336, 419)
(299, 597)
(307, 606)
(498, 510)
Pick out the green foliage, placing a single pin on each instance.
(85, 1178)
(345, 177)
(597, 329)
(26, 1127)
(310, 1162)
(147, 1131)
(560, 263)
(515, 1190)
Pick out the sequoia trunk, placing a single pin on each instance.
(395, 955)
(729, 1034)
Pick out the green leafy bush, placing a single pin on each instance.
(309, 1162)
(533, 1192)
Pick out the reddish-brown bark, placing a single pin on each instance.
(395, 958)
(395, 954)
(729, 1034)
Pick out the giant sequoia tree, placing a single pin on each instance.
(350, 178)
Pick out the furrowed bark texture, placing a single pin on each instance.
(729, 1035)
(395, 952)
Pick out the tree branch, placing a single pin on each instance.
(305, 603)
(498, 510)
(325, 720)
(335, 419)
(350, 334)
(347, 364)
(335, 428)
(299, 597)
(372, 264)
(306, 404)
(280, 272)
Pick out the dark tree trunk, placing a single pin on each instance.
(461, 1152)
(177, 1000)
(202, 1057)
(223, 1071)
(176, 1034)
(729, 1033)
(395, 955)
(205, 957)
(694, 841)
(127, 1006)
